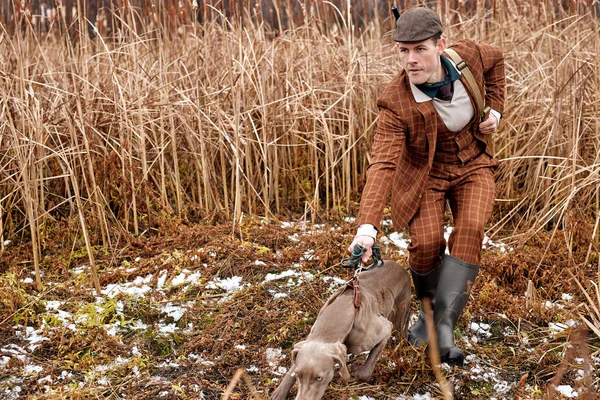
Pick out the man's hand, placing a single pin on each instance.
(365, 241)
(489, 126)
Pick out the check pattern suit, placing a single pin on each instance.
(405, 140)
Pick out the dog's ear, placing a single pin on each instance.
(296, 349)
(339, 356)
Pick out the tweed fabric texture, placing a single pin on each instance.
(417, 24)
(456, 148)
(404, 144)
(469, 189)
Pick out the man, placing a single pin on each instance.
(432, 146)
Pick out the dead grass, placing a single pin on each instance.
(121, 133)
(219, 333)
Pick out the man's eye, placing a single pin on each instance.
(319, 378)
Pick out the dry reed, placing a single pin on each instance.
(226, 118)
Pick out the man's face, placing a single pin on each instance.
(421, 60)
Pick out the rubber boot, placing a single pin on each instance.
(456, 280)
(425, 286)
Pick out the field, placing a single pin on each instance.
(175, 201)
(179, 315)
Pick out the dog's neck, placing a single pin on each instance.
(335, 319)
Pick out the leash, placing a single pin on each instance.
(355, 261)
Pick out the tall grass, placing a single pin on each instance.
(550, 140)
(121, 134)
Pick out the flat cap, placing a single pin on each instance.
(417, 24)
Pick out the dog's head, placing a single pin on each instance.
(315, 364)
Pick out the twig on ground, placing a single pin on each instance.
(434, 353)
(240, 373)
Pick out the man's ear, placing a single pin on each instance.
(338, 352)
(441, 45)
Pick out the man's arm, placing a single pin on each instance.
(494, 77)
(387, 148)
(494, 81)
(388, 144)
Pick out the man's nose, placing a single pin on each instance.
(411, 58)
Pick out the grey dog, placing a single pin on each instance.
(341, 328)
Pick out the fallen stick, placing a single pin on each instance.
(434, 353)
(240, 373)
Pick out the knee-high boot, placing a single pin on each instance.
(456, 279)
(425, 286)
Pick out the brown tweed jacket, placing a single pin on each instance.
(406, 134)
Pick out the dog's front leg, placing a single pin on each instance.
(284, 387)
(364, 372)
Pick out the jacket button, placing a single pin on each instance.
(420, 195)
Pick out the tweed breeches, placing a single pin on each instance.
(470, 196)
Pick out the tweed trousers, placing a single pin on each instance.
(471, 198)
(462, 176)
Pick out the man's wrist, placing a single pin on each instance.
(367, 230)
(496, 114)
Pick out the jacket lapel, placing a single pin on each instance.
(431, 126)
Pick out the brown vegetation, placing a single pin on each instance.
(110, 141)
(218, 120)
(118, 345)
